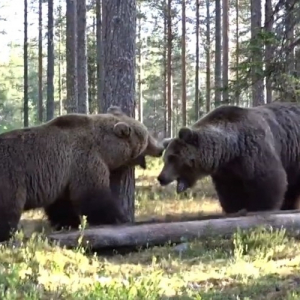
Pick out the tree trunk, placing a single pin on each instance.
(119, 32)
(289, 31)
(40, 101)
(50, 64)
(99, 55)
(140, 94)
(257, 59)
(197, 61)
(208, 65)
(175, 232)
(183, 71)
(169, 69)
(225, 51)
(218, 79)
(25, 64)
(269, 20)
(82, 78)
(237, 59)
(71, 53)
(165, 69)
(59, 60)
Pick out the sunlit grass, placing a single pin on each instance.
(256, 264)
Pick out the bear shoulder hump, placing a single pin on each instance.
(70, 121)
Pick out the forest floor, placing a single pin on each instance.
(256, 264)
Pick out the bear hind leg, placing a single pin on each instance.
(9, 220)
(100, 207)
(263, 192)
(62, 214)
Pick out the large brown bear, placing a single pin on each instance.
(251, 154)
(64, 165)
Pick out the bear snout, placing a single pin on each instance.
(163, 180)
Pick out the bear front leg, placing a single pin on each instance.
(11, 208)
(91, 193)
(62, 213)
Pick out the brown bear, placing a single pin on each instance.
(64, 165)
(251, 154)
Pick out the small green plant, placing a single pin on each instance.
(258, 243)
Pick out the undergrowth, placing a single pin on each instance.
(261, 263)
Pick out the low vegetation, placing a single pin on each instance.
(256, 264)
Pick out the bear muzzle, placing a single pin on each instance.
(163, 180)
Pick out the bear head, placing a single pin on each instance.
(182, 160)
(138, 135)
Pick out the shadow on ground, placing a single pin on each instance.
(272, 286)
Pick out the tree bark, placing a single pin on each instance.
(197, 61)
(257, 55)
(119, 33)
(162, 233)
(25, 57)
(218, 53)
(50, 64)
(60, 30)
(183, 71)
(82, 78)
(237, 59)
(225, 30)
(40, 101)
(99, 55)
(140, 67)
(165, 69)
(71, 52)
(269, 20)
(169, 69)
(208, 64)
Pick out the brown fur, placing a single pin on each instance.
(252, 155)
(64, 167)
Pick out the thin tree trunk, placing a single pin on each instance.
(197, 62)
(289, 28)
(169, 70)
(119, 33)
(269, 20)
(26, 121)
(82, 78)
(50, 64)
(237, 61)
(165, 100)
(225, 51)
(196, 101)
(99, 54)
(183, 65)
(140, 94)
(218, 79)
(208, 64)
(59, 61)
(71, 52)
(40, 101)
(257, 59)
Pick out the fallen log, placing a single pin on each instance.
(168, 218)
(161, 233)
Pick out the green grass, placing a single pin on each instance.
(255, 264)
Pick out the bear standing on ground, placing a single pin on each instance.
(252, 155)
(64, 165)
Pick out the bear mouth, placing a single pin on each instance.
(182, 185)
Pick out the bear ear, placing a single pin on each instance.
(115, 110)
(186, 134)
(122, 130)
(166, 142)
